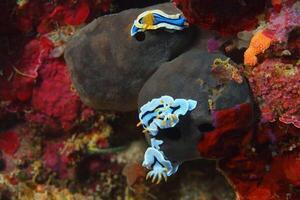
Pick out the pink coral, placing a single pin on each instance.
(276, 87)
(282, 23)
(55, 161)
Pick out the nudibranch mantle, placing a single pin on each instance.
(161, 113)
(156, 19)
(164, 112)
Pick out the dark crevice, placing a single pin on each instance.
(206, 127)
(169, 133)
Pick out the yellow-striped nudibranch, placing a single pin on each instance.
(156, 19)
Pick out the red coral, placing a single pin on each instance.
(53, 97)
(229, 123)
(277, 5)
(291, 168)
(46, 16)
(227, 17)
(44, 81)
(70, 13)
(30, 14)
(78, 14)
(261, 193)
(17, 81)
(263, 173)
(9, 142)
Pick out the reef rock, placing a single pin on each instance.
(109, 67)
(224, 106)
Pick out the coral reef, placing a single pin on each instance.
(279, 25)
(276, 85)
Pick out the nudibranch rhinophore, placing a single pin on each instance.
(156, 19)
(161, 113)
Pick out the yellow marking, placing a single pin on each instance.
(148, 19)
(210, 104)
(153, 179)
(148, 175)
(165, 177)
(139, 124)
(159, 178)
(174, 116)
(145, 131)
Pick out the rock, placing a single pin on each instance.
(190, 76)
(201, 180)
(109, 67)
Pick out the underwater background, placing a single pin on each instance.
(150, 100)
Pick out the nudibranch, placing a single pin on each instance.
(164, 112)
(159, 166)
(156, 19)
(161, 113)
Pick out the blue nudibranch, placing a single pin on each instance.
(161, 113)
(159, 166)
(156, 19)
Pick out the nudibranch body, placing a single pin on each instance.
(161, 113)
(156, 19)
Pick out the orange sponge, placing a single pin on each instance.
(259, 43)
